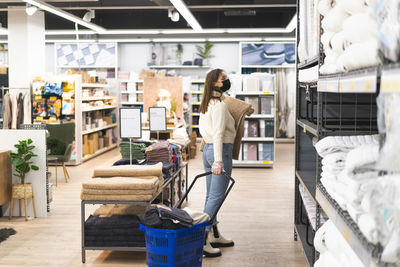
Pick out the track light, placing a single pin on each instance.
(173, 15)
(88, 16)
(30, 10)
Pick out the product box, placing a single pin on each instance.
(101, 142)
(107, 120)
(262, 128)
(269, 128)
(106, 141)
(254, 102)
(91, 147)
(268, 152)
(267, 104)
(252, 151)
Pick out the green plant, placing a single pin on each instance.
(179, 52)
(22, 159)
(174, 104)
(205, 52)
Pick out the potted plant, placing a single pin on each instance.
(179, 52)
(22, 160)
(205, 52)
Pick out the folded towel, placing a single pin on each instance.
(124, 183)
(145, 171)
(328, 175)
(332, 169)
(117, 192)
(368, 227)
(326, 39)
(361, 55)
(325, 6)
(339, 43)
(332, 22)
(308, 75)
(319, 239)
(354, 212)
(120, 197)
(354, 6)
(362, 159)
(360, 28)
(113, 222)
(337, 158)
(333, 144)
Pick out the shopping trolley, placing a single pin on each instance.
(182, 247)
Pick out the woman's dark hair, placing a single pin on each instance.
(211, 78)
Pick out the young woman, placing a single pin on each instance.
(217, 127)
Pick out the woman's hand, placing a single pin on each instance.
(217, 168)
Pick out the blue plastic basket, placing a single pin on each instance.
(179, 248)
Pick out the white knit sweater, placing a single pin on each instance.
(217, 126)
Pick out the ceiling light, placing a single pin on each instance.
(292, 24)
(89, 16)
(185, 12)
(173, 15)
(255, 30)
(30, 10)
(237, 39)
(178, 40)
(61, 13)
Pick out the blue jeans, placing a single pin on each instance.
(216, 184)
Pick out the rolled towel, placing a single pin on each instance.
(369, 228)
(335, 158)
(319, 239)
(360, 28)
(328, 69)
(353, 6)
(362, 55)
(339, 43)
(361, 159)
(326, 39)
(324, 6)
(333, 21)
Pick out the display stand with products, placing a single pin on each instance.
(131, 93)
(196, 95)
(338, 104)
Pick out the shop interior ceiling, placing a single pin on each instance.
(130, 15)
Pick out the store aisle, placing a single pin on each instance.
(258, 215)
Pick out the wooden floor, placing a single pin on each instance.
(258, 216)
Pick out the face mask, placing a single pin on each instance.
(226, 85)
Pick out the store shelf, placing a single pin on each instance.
(98, 152)
(99, 108)
(100, 129)
(252, 163)
(255, 93)
(307, 179)
(260, 116)
(367, 252)
(308, 250)
(179, 67)
(97, 98)
(132, 103)
(86, 67)
(131, 92)
(257, 139)
(268, 66)
(94, 85)
(308, 126)
(131, 81)
(309, 62)
(198, 81)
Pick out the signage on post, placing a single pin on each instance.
(130, 125)
(157, 118)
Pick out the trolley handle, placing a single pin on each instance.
(232, 182)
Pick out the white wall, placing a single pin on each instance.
(134, 57)
(38, 178)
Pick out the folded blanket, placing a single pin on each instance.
(119, 197)
(333, 144)
(115, 244)
(112, 232)
(332, 22)
(354, 6)
(362, 159)
(129, 171)
(109, 210)
(113, 222)
(361, 55)
(117, 192)
(197, 216)
(122, 183)
(112, 238)
(360, 28)
(308, 75)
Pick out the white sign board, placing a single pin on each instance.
(130, 124)
(157, 117)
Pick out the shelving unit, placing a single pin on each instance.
(337, 104)
(179, 67)
(196, 95)
(131, 93)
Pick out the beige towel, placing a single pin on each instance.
(122, 183)
(117, 192)
(118, 197)
(129, 171)
(238, 109)
(109, 210)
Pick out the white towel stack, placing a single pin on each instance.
(350, 38)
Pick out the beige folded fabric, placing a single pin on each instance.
(122, 183)
(117, 192)
(129, 171)
(118, 197)
(109, 210)
(238, 109)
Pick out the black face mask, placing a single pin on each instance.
(226, 85)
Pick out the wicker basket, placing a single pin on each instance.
(22, 191)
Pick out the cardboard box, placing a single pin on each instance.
(106, 141)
